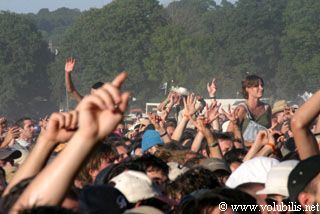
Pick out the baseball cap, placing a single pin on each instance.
(103, 199)
(175, 169)
(301, 176)
(134, 185)
(149, 139)
(214, 164)
(277, 179)
(251, 171)
(9, 153)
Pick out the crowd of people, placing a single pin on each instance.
(189, 156)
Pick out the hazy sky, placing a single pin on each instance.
(33, 6)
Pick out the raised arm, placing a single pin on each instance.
(69, 84)
(213, 144)
(99, 114)
(233, 124)
(188, 112)
(60, 128)
(305, 141)
(13, 133)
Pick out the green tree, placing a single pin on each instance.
(108, 40)
(301, 47)
(24, 57)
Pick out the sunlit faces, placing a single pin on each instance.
(122, 152)
(28, 130)
(256, 90)
(225, 145)
(170, 130)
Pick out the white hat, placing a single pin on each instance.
(175, 169)
(181, 91)
(134, 185)
(143, 210)
(251, 171)
(278, 178)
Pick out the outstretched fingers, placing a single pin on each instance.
(119, 80)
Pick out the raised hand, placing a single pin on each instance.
(155, 120)
(212, 88)
(43, 122)
(69, 65)
(100, 112)
(189, 106)
(231, 115)
(13, 133)
(212, 111)
(60, 127)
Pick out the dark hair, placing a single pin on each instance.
(11, 198)
(117, 169)
(102, 152)
(235, 155)
(46, 210)
(171, 124)
(185, 184)
(20, 122)
(224, 136)
(97, 85)
(249, 82)
(148, 160)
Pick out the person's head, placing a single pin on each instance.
(185, 184)
(252, 85)
(150, 140)
(123, 151)
(96, 86)
(225, 140)
(219, 167)
(103, 199)
(170, 127)
(26, 126)
(11, 198)
(304, 182)
(276, 186)
(156, 169)
(103, 156)
(234, 158)
(3, 124)
(136, 186)
(279, 111)
(251, 176)
(7, 157)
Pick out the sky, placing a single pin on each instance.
(33, 6)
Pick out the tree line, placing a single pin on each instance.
(185, 44)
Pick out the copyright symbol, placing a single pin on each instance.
(223, 206)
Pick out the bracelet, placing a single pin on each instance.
(212, 97)
(214, 144)
(164, 134)
(272, 146)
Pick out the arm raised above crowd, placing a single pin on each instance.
(304, 116)
(69, 85)
(60, 128)
(50, 186)
(188, 112)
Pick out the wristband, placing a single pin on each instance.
(164, 134)
(214, 97)
(214, 144)
(272, 146)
